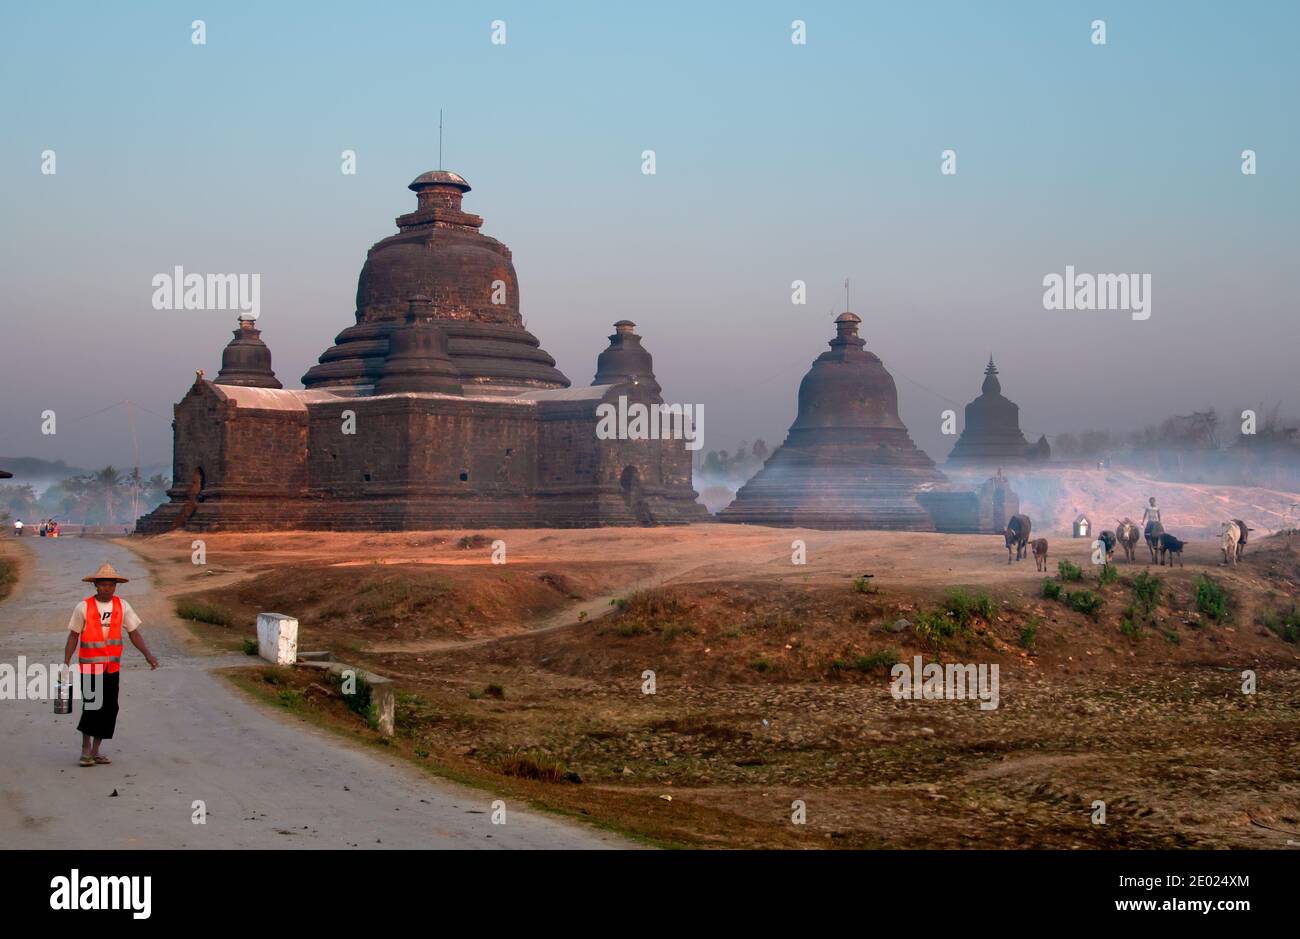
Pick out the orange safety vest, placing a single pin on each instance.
(98, 649)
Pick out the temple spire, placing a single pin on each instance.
(991, 384)
(246, 360)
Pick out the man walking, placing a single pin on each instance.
(95, 631)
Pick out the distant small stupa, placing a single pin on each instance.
(991, 435)
(246, 361)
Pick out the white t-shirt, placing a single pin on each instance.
(130, 622)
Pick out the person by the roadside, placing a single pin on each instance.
(95, 633)
(18, 527)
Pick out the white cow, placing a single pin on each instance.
(1230, 540)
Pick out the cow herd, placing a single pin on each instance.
(1162, 545)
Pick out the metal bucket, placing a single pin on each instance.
(63, 695)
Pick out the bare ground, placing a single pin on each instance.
(773, 680)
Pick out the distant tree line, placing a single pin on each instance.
(1197, 447)
(103, 497)
(720, 468)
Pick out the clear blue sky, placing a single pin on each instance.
(775, 162)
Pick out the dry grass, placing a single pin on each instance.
(8, 576)
(532, 766)
(1157, 728)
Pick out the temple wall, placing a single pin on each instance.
(265, 451)
(568, 453)
(198, 432)
(238, 448)
(408, 445)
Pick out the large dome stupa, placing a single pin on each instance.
(848, 460)
(472, 295)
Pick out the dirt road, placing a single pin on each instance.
(183, 736)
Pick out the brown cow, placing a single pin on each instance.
(1127, 535)
(1040, 554)
(1017, 534)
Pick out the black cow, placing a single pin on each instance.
(1017, 535)
(1153, 534)
(1107, 539)
(1171, 547)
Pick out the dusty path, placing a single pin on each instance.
(183, 735)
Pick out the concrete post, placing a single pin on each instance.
(277, 638)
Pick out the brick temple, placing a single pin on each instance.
(436, 409)
(848, 461)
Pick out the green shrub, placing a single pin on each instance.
(1107, 575)
(761, 666)
(204, 612)
(1211, 598)
(1068, 571)
(360, 699)
(883, 660)
(935, 627)
(288, 697)
(494, 690)
(1051, 589)
(1029, 634)
(1286, 626)
(250, 647)
(964, 606)
(1146, 592)
(1129, 625)
(864, 585)
(1085, 601)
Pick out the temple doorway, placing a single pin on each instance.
(630, 482)
(193, 496)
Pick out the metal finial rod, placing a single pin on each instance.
(439, 138)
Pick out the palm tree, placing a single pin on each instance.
(134, 483)
(155, 488)
(107, 484)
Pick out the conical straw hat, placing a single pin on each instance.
(105, 572)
